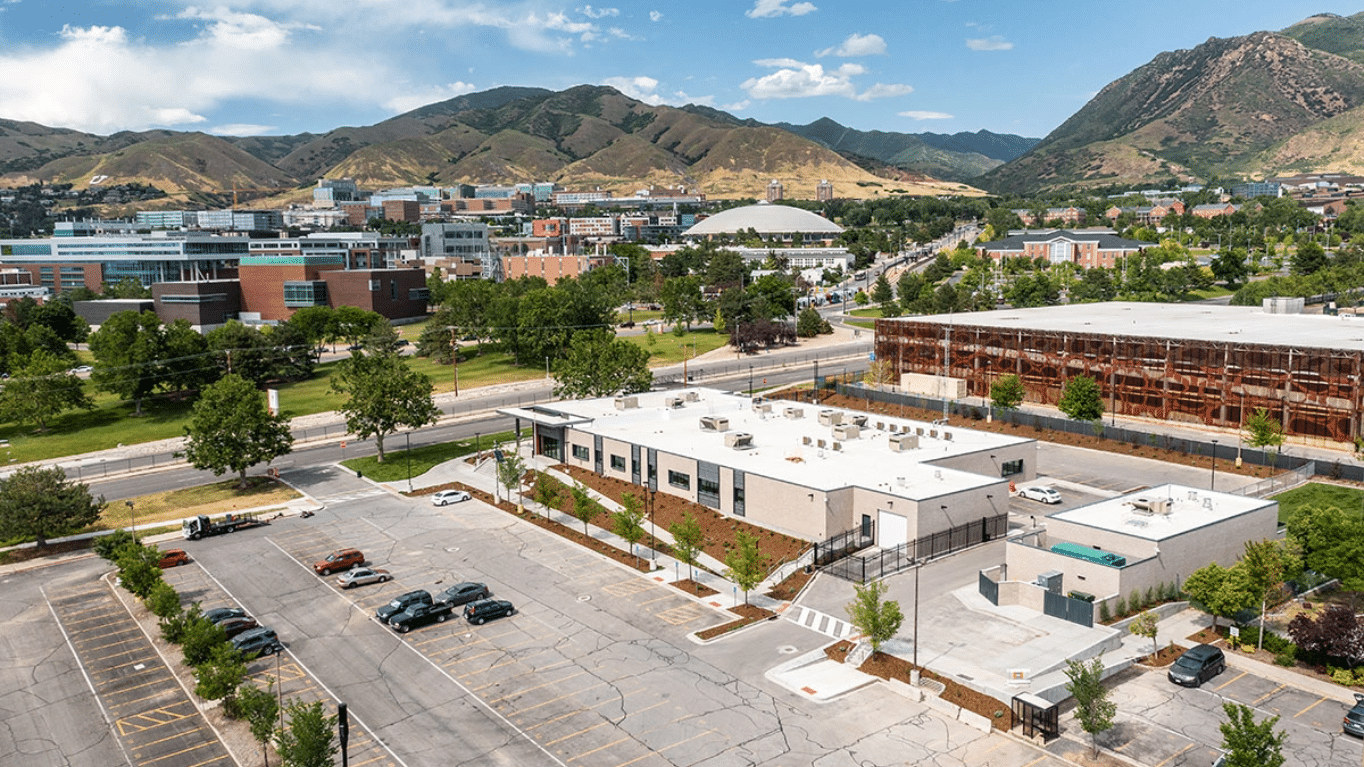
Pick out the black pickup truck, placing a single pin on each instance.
(390, 610)
(419, 615)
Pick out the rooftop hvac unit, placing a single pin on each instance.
(1051, 580)
(739, 440)
(830, 417)
(838, 447)
(762, 407)
(859, 420)
(1090, 555)
(947, 435)
(627, 403)
(902, 442)
(692, 396)
(846, 431)
(1151, 505)
(1207, 503)
(919, 430)
(673, 402)
(714, 423)
(794, 412)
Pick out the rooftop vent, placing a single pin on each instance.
(859, 420)
(762, 407)
(627, 403)
(714, 423)
(830, 417)
(739, 440)
(794, 412)
(902, 442)
(692, 396)
(674, 402)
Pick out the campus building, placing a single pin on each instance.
(66, 263)
(1086, 249)
(801, 469)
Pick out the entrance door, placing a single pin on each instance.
(894, 529)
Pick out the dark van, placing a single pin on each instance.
(1197, 665)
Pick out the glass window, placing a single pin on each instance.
(708, 492)
(581, 453)
(1010, 468)
(678, 479)
(298, 294)
(618, 463)
(738, 501)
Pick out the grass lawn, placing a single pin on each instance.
(1318, 495)
(423, 458)
(670, 349)
(872, 312)
(218, 498)
(1216, 291)
(110, 424)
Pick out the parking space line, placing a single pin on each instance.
(642, 758)
(158, 680)
(599, 748)
(1229, 681)
(211, 761)
(1309, 708)
(687, 740)
(1176, 754)
(182, 751)
(132, 631)
(96, 618)
(576, 734)
(1267, 695)
(503, 679)
(170, 737)
(656, 599)
(368, 761)
(556, 700)
(110, 644)
(1035, 761)
(139, 700)
(510, 661)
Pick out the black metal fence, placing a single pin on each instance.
(890, 561)
(844, 544)
(1112, 432)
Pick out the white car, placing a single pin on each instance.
(82, 369)
(1040, 493)
(449, 496)
(361, 576)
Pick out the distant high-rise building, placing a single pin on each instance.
(774, 191)
(825, 191)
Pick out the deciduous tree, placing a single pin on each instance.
(628, 522)
(688, 539)
(1093, 710)
(1006, 393)
(585, 507)
(309, 739)
(219, 676)
(744, 563)
(128, 350)
(1221, 591)
(600, 365)
(383, 394)
(41, 390)
(1081, 399)
(876, 618)
(1251, 744)
(37, 502)
(230, 428)
(1146, 625)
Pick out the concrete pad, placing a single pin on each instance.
(814, 676)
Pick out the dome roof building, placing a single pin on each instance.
(770, 221)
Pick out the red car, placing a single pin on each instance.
(342, 559)
(173, 558)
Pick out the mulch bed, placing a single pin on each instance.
(1089, 441)
(749, 614)
(694, 588)
(641, 564)
(31, 553)
(890, 667)
(791, 585)
(1219, 637)
(1165, 657)
(718, 529)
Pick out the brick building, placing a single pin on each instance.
(1085, 249)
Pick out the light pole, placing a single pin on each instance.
(408, 435)
(132, 517)
(750, 382)
(653, 529)
(477, 452)
(1213, 485)
(546, 368)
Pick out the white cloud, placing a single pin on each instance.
(241, 129)
(655, 15)
(598, 13)
(411, 99)
(916, 114)
(992, 43)
(768, 9)
(856, 45)
(644, 88)
(795, 79)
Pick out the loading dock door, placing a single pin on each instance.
(894, 529)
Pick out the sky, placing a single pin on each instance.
(279, 67)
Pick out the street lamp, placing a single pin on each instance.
(750, 382)
(408, 435)
(133, 520)
(1213, 485)
(478, 453)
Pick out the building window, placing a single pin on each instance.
(393, 290)
(374, 285)
(738, 502)
(708, 492)
(418, 294)
(617, 463)
(1010, 468)
(581, 453)
(300, 294)
(678, 479)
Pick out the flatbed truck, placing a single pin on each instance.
(202, 526)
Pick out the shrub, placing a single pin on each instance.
(1134, 601)
(1287, 658)
(173, 626)
(1343, 676)
(1119, 608)
(163, 601)
(1104, 615)
(1151, 596)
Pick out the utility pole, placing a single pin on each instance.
(454, 356)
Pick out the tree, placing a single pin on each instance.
(1263, 430)
(219, 676)
(1336, 632)
(1146, 625)
(627, 523)
(138, 570)
(1093, 709)
(880, 290)
(1248, 744)
(260, 709)
(382, 395)
(510, 470)
(1006, 393)
(548, 492)
(1081, 399)
(1331, 542)
(688, 539)
(128, 350)
(199, 639)
(1309, 259)
(585, 507)
(37, 502)
(878, 620)
(41, 390)
(809, 323)
(682, 302)
(600, 365)
(186, 363)
(1266, 563)
(231, 428)
(245, 351)
(1219, 590)
(744, 563)
(309, 740)
(163, 601)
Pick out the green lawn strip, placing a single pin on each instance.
(671, 349)
(861, 323)
(1318, 495)
(394, 467)
(872, 312)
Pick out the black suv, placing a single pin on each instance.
(257, 641)
(1198, 665)
(1353, 723)
(487, 609)
(419, 597)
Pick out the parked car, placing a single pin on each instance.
(82, 369)
(1042, 493)
(419, 597)
(419, 615)
(257, 641)
(341, 559)
(173, 558)
(220, 614)
(486, 609)
(1197, 665)
(449, 496)
(234, 626)
(1353, 723)
(463, 593)
(362, 576)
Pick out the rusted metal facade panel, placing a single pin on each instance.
(1313, 392)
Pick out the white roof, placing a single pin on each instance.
(779, 450)
(765, 218)
(1189, 509)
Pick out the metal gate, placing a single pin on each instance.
(1067, 608)
(989, 589)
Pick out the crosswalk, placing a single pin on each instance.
(820, 622)
(353, 496)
